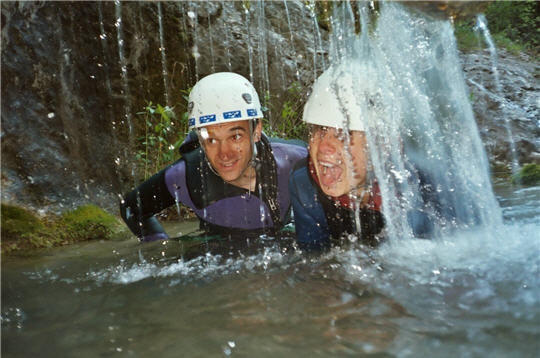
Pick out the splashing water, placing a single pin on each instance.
(421, 129)
(473, 292)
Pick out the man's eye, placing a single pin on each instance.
(210, 141)
(237, 137)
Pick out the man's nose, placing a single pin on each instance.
(327, 146)
(224, 150)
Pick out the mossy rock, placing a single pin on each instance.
(17, 221)
(528, 175)
(23, 232)
(90, 222)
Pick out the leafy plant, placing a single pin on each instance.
(514, 25)
(518, 21)
(467, 38)
(159, 145)
(290, 124)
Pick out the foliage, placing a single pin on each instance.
(290, 124)
(518, 21)
(467, 39)
(184, 124)
(160, 143)
(514, 25)
(23, 231)
(529, 174)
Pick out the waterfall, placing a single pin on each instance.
(105, 48)
(248, 35)
(296, 73)
(192, 23)
(263, 52)
(481, 25)
(318, 51)
(423, 141)
(125, 87)
(164, 71)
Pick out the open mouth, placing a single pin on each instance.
(329, 173)
(227, 166)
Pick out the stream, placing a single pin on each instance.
(472, 291)
(475, 294)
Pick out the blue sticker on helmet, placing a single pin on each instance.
(207, 119)
(191, 122)
(252, 112)
(232, 114)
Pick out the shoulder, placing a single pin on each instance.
(293, 142)
(291, 150)
(300, 171)
(300, 182)
(176, 168)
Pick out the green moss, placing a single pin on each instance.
(18, 221)
(529, 174)
(23, 231)
(89, 222)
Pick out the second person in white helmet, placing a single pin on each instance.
(333, 192)
(233, 177)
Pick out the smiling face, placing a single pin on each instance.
(340, 161)
(229, 150)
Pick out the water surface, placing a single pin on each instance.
(474, 294)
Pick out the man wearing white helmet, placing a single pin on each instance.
(332, 194)
(231, 175)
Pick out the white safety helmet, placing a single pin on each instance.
(342, 97)
(222, 97)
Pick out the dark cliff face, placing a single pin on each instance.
(74, 75)
(67, 107)
(510, 105)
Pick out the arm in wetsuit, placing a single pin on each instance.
(139, 206)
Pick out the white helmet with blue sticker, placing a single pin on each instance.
(347, 95)
(222, 97)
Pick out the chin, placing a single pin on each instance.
(229, 177)
(335, 192)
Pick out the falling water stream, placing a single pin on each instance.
(473, 290)
(163, 52)
(482, 26)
